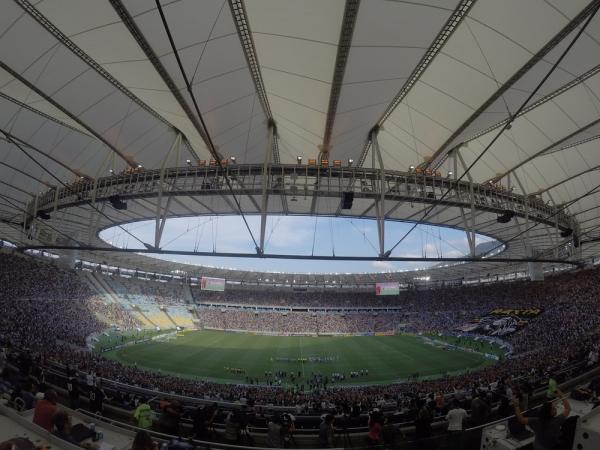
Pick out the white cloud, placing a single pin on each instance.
(383, 265)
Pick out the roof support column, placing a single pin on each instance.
(94, 212)
(526, 199)
(380, 203)
(265, 190)
(95, 220)
(30, 214)
(469, 228)
(99, 172)
(161, 215)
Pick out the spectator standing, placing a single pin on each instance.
(143, 414)
(96, 397)
(326, 431)
(232, 428)
(274, 432)
(143, 441)
(169, 419)
(547, 425)
(73, 390)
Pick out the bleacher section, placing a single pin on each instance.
(181, 316)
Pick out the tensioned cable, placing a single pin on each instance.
(331, 236)
(197, 108)
(199, 234)
(314, 236)
(504, 127)
(195, 227)
(272, 231)
(16, 144)
(565, 206)
(364, 235)
(70, 238)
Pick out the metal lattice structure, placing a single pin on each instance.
(448, 113)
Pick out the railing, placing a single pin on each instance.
(295, 180)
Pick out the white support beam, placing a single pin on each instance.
(524, 193)
(379, 203)
(463, 164)
(161, 215)
(110, 156)
(95, 220)
(265, 190)
(469, 228)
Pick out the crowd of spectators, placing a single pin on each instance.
(42, 303)
(298, 322)
(47, 310)
(147, 291)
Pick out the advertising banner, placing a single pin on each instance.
(212, 284)
(392, 288)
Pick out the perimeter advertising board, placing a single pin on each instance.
(212, 284)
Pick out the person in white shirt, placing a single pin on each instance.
(592, 357)
(455, 417)
(90, 379)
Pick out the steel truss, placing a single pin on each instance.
(297, 180)
(386, 188)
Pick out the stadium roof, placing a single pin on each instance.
(505, 91)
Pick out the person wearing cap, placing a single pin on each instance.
(45, 409)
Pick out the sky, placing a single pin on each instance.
(298, 235)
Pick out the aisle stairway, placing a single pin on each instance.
(143, 318)
(170, 318)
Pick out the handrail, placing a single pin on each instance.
(169, 437)
(238, 405)
(408, 186)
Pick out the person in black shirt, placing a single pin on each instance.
(423, 427)
(73, 390)
(200, 422)
(96, 397)
(547, 425)
(62, 427)
(168, 422)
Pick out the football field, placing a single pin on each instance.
(231, 357)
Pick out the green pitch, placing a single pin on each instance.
(213, 355)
